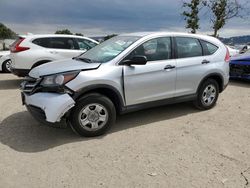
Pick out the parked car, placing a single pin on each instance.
(30, 51)
(233, 51)
(127, 73)
(240, 66)
(5, 61)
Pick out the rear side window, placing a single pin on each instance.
(188, 47)
(208, 48)
(56, 42)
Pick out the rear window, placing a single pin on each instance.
(188, 47)
(208, 48)
(56, 42)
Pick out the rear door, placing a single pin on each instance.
(193, 61)
(155, 80)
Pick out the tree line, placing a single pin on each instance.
(219, 12)
(7, 33)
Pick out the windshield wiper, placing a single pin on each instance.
(83, 59)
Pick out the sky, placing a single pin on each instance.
(102, 17)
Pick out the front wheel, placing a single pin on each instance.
(207, 95)
(6, 66)
(93, 115)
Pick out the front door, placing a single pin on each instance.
(155, 80)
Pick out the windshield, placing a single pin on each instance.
(109, 49)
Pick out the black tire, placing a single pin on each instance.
(200, 103)
(5, 66)
(81, 104)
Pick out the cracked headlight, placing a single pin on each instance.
(58, 79)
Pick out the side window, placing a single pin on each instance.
(155, 49)
(188, 47)
(209, 48)
(62, 43)
(82, 44)
(90, 43)
(43, 42)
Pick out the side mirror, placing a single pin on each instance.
(136, 60)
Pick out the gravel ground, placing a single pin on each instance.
(170, 146)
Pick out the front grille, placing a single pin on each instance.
(240, 69)
(29, 85)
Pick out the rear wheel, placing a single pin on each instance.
(93, 115)
(6, 66)
(207, 95)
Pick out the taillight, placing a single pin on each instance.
(16, 46)
(227, 58)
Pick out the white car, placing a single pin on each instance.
(233, 51)
(5, 61)
(30, 51)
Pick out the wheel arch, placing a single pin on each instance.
(109, 91)
(40, 62)
(217, 77)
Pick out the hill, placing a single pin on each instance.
(240, 40)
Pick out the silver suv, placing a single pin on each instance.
(127, 73)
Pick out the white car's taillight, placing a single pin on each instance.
(16, 47)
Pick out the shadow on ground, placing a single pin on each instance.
(22, 133)
(240, 83)
(10, 84)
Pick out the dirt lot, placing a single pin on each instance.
(171, 146)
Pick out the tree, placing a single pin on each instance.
(79, 34)
(6, 33)
(109, 36)
(191, 15)
(222, 11)
(64, 31)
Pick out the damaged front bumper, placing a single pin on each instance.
(50, 107)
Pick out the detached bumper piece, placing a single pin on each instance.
(240, 71)
(48, 106)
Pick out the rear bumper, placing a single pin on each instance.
(20, 72)
(48, 107)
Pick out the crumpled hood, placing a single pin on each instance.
(60, 66)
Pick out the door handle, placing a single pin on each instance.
(53, 52)
(169, 67)
(205, 61)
